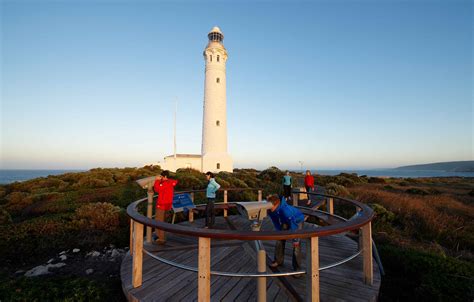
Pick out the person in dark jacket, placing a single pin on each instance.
(285, 217)
(286, 181)
(164, 186)
(211, 190)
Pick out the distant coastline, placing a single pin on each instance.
(8, 176)
(452, 166)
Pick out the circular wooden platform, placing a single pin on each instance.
(162, 282)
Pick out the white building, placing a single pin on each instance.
(214, 156)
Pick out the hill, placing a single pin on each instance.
(452, 166)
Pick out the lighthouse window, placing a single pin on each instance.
(217, 58)
(218, 80)
(211, 57)
(218, 165)
(218, 123)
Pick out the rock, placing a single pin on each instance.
(94, 254)
(76, 250)
(63, 257)
(62, 253)
(50, 260)
(115, 254)
(19, 272)
(57, 265)
(89, 271)
(37, 271)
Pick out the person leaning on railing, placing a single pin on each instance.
(285, 217)
(164, 186)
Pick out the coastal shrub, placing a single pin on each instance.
(100, 216)
(17, 201)
(376, 180)
(337, 190)
(437, 218)
(5, 217)
(417, 275)
(108, 194)
(383, 215)
(271, 174)
(59, 288)
(343, 181)
(416, 191)
(471, 193)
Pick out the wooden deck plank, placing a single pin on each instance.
(162, 282)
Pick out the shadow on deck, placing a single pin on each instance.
(162, 282)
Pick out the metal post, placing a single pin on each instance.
(259, 195)
(149, 211)
(312, 269)
(204, 270)
(262, 281)
(367, 253)
(137, 254)
(225, 201)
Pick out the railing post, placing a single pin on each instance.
(204, 270)
(367, 253)
(259, 195)
(225, 201)
(191, 213)
(149, 212)
(137, 254)
(312, 269)
(330, 206)
(295, 199)
(262, 281)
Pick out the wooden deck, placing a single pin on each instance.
(162, 282)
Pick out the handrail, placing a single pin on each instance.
(362, 220)
(365, 216)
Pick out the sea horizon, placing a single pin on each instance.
(8, 176)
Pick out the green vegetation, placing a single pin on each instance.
(424, 227)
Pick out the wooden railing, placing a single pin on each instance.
(361, 222)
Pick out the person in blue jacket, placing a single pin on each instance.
(285, 217)
(211, 190)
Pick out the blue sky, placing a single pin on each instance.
(335, 84)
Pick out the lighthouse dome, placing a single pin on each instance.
(215, 35)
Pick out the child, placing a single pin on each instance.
(211, 190)
(285, 217)
(165, 189)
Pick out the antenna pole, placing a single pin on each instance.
(175, 110)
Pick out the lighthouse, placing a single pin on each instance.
(214, 129)
(214, 156)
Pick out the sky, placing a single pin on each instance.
(333, 84)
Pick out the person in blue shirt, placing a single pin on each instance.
(211, 190)
(285, 217)
(287, 185)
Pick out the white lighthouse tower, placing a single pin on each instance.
(214, 129)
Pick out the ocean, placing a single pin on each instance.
(10, 176)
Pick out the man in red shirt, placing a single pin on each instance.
(165, 189)
(309, 185)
